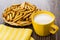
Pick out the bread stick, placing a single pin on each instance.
(4, 15)
(17, 18)
(27, 15)
(8, 18)
(17, 14)
(13, 14)
(10, 15)
(22, 5)
(27, 19)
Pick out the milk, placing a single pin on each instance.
(43, 18)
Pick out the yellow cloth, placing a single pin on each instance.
(9, 33)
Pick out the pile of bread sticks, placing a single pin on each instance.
(19, 14)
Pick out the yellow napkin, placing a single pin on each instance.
(9, 33)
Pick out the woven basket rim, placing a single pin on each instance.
(15, 24)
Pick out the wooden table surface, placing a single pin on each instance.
(53, 6)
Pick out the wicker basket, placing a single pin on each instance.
(19, 14)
